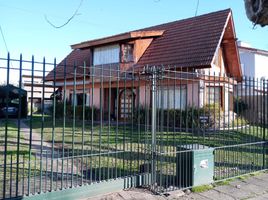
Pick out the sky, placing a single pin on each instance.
(26, 30)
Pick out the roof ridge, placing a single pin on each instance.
(188, 19)
(157, 25)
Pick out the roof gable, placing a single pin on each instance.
(187, 43)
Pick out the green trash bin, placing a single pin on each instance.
(195, 165)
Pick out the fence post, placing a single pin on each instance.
(154, 73)
(264, 89)
(153, 118)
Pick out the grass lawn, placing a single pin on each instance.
(11, 135)
(111, 150)
(128, 146)
(17, 156)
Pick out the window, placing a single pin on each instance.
(213, 95)
(106, 55)
(80, 99)
(127, 53)
(172, 98)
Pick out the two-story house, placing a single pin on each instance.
(205, 43)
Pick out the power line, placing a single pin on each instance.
(3, 38)
(196, 9)
(74, 14)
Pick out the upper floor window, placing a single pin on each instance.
(127, 53)
(106, 55)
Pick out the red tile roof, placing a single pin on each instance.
(185, 43)
(76, 58)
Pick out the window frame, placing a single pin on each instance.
(168, 92)
(208, 91)
(128, 51)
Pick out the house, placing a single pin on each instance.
(251, 91)
(37, 91)
(203, 44)
(253, 61)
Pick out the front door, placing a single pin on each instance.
(127, 98)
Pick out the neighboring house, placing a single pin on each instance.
(254, 69)
(253, 61)
(205, 43)
(36, 85)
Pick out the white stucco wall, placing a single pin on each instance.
(261, 66)
(248, 66)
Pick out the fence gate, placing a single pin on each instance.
(72, 130)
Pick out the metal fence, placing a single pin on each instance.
(164, 127)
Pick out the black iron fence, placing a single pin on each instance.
(171, 127)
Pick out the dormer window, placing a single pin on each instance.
(106, 54)
(127, 53)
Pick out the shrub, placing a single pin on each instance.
(78, 111)
(187, 118)
(240, 106)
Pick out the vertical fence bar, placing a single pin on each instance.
(132, 122)
(83, 120)
(53, 126)
(6, 127)
(180, 128)
(34, 175)
(125, 162)
(92, 123)
(166, 152)
(214, 106)
(10, 175)
(146, 125)
(101, 122)
(42, 125)
(153, 129)
(64, 123)
(264, 125)
(237, 116)
(23, 174)
(74, 123)
(109, 122)
(255, 127)
(31, 126)
(117, 120)
(160, 118)
(139, 146)
(174, 151)
(19, 125)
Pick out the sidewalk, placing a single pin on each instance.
(251, 187)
